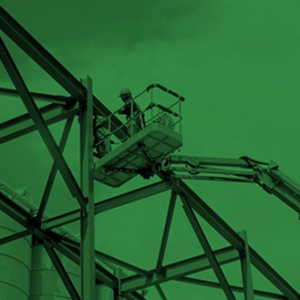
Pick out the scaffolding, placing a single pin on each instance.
(147, 153)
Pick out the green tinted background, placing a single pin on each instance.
(236, 62)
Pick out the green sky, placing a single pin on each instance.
(238, 65)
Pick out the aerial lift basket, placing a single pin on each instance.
(155, 142)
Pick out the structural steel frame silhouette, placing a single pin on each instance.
(83, 104)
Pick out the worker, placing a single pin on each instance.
(134, 116)
(102, 142)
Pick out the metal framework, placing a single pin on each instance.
(82, 104)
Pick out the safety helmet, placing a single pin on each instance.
(125, 91)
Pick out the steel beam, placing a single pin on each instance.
(38, 53)
(166, 232)
(207, 249)
(24, 124)
(53, 172)
(179, 269)
(87, 223)
(131, 296)
(132, 196)
(103, 256)
(40, 123)
(55, 69)
(121, 263)
(15, 212)
(207, 213)
(108, 204)
(173, 271)
(246, 269)
(73, 254)
(102, 275)
(61, 272)
(24, 219)
(14, 237)
(161, 292)
(238, 289)
(62, 100)
(231, 236)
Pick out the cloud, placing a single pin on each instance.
(110, 22)
(69, 29)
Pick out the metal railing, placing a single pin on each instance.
(153, 113)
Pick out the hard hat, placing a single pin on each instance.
(125, 91)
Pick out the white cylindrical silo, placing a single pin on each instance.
(45, 281)
(103, 292)
(15, 262)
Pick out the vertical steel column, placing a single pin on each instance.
(246, 269)
(88, 281)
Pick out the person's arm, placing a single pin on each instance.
(121, 111)
(126, 109)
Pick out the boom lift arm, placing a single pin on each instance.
(244, 169)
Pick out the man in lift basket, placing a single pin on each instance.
(134, 116)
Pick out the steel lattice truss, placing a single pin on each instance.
(82, 104)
